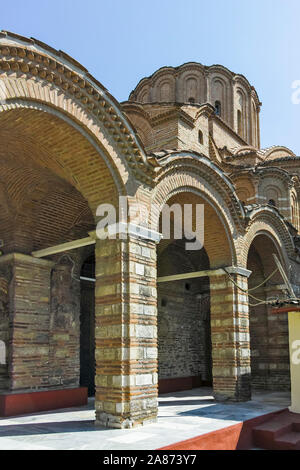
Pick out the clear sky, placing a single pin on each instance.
(121, 41)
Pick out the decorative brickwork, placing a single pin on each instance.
(29, 322)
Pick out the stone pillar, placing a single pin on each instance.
(29, 309)
(230, 336)
(126, 332)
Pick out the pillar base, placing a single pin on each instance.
(13, 404)
(219, 397)
(107, 420)
(294, 409)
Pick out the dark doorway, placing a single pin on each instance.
(184, 333)
(87, 325)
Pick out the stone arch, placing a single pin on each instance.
(244, 188)
(267, 221)
(176, 184)
(219, 94)
(29, 72)
(143, 96)
(268, 339)
(268, 190)
(140, 121)
(47, 163)
(191, 84)
(164, 90)
(272, 193)
(277, 151)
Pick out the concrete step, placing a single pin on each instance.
(288, 441)
(281, 432)
(296, 427)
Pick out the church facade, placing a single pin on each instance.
(126, 317)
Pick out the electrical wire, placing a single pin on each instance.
(260, 301)
(256, 287)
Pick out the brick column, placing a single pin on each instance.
(230, 336)
(126, 332)
(29, 322)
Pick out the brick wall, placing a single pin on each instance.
(29, 322)
(64, 332)
(183, 331)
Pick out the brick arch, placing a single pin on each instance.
(33, 72)
(220, 90)
(266, 222)
(244, 188)
(184, 187)
(268, 340)
(58, 145)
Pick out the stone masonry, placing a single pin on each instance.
(187, 135)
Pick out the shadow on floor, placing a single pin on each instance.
(48, 428)
(185, 402)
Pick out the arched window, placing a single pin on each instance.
(272, 196)
(2, 353)
(218, 108)
(200, 137)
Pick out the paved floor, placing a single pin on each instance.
(182, 415)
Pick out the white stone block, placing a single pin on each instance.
(143, 379)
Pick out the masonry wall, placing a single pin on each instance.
(223, 137)
(64, 351)
(29, 323)
(39, 323)
(166, 135)
(183, 331)
(87, 336)
(269, 337)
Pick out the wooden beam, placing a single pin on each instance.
(193, 275)
(63, 247)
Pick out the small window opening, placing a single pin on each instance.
(239, 122)
(164, 302)
(187, 286)
(200, 137)
(218, 108)
(272, 203)
(191, 100)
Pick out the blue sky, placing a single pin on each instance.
(121, 41)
